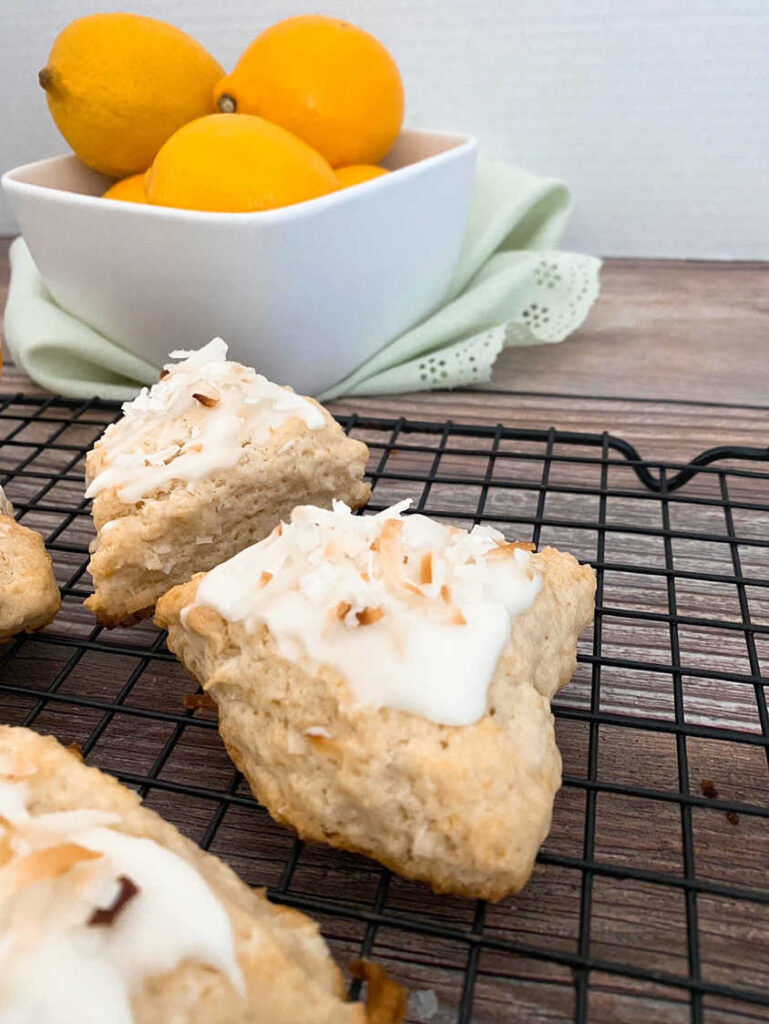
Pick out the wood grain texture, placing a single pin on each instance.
(123, 696)
(662, 329)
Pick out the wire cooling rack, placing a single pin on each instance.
(650, 899)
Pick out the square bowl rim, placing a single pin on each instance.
(464, 144)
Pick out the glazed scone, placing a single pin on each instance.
(29, 594)
(108, 914)
(383, 683)
(201, 465)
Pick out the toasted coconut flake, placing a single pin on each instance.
(332, 550)
(391, 554)
(387, 1001)
(76, 748)
(342, 609)
(365, 577)
(455, 616)
(199, 702)
(209, 401)
(426, 568)
(53, 861)
(369, 616)
(508, 550)
(265, 578)
(412, 588)
(194, 448)
(106, 915)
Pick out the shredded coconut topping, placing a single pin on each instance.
(412, 613)
(87, 913)
(193, 422)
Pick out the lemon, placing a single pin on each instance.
(356, 174)
(130, 190)
(236, 163)
(118, 85)
(329, 82)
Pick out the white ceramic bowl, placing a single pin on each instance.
(305, 293)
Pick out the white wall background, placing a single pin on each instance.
(655, 111)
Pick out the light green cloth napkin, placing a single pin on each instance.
(59, 351)
(511, 287)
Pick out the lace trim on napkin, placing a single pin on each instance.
(554, 302)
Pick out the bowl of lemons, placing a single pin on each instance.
(281, 206)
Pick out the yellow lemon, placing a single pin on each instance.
(236, 163)
(118, 85)
(355, 174)
(130, 190)
(330, 83)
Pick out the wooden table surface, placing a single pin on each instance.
(674, 359)
(664, 334)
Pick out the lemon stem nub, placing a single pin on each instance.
(45, 78)
(227, 103)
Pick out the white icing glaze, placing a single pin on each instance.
(167, 434)
(54, 967)
(412, 613)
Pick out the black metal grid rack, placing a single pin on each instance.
(650, 900)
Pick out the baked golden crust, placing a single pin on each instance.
(464, 808)
(289, 975)
(144, 548)
(29, 594)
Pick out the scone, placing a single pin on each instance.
(108, 914)
(201, 465)
(29, 594)
(383, 683)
